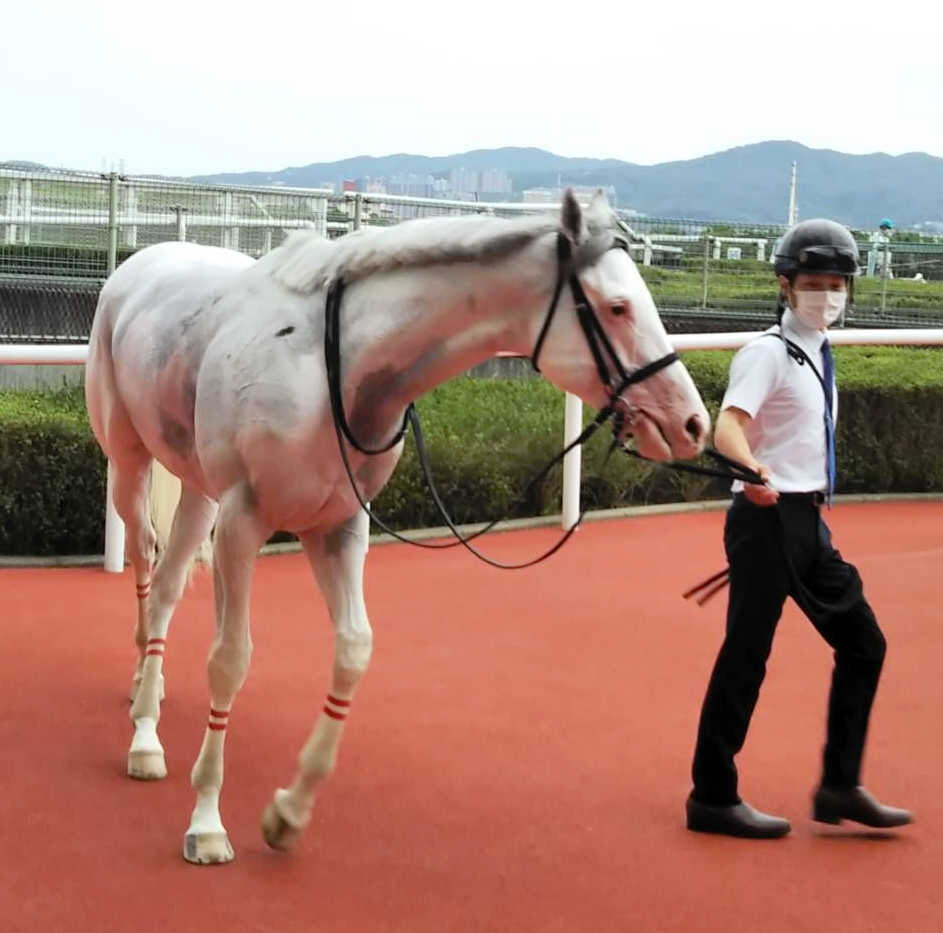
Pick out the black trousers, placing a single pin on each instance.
(832, 598)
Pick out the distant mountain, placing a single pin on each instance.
(515, 161)
(748, 183)
(23, 166)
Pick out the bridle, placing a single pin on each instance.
(608, 365)
(613, 375)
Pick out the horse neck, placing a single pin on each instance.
(437, 323)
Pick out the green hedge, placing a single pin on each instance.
(486, 438)
(52, 475)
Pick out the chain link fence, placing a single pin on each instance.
(718, 275)
(61, 233)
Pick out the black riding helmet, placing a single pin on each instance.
(817, 247)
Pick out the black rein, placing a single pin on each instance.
(612, 374)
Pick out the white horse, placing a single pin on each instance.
(214, 364)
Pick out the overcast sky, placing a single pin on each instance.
(193, 87)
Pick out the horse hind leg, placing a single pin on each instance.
(337, 560)
(143, 588)
(165, 491)
(131, 469)
(192, 522)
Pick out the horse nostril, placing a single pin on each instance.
(694, 428)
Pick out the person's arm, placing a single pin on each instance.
(731, 441)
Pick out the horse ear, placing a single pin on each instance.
(571, 217)
(600, 203)
(599, 213)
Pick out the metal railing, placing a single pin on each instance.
(61, 233)
(79, 216)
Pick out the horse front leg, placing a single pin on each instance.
(337, 560)
(238, 537)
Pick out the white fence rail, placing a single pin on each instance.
(17, 354)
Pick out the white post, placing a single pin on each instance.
(230, 232)
(131, 216)
(227, 215)
(318, 209)
(181, 213)
(572, 425)
(358, 210)
(112, 222)
(13, 198)
(27, 209)
(114, 530)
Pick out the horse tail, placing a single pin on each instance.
(163, 496)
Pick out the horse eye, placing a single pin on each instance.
(619, 308)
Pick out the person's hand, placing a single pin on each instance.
(761, 495)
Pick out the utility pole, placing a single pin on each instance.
(793, 205)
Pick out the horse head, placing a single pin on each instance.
(662, 410)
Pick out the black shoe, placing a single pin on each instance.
(834, 804)
(738, 819)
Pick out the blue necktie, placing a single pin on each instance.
(828, 377)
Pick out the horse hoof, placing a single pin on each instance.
(278, 832)
(146, 766)
(207, 848)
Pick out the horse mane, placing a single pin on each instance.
(306, 262)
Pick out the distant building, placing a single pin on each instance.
(495, 181)
(464, 181)
(489, 181)
(411, 184)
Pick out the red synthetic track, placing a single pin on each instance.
(516, 759)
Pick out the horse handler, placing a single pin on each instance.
(778, 417)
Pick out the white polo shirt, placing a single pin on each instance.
(787, 406)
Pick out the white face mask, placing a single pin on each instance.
(819, 310)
